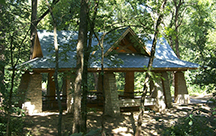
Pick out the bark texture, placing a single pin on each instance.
(33, 26)
(82, 41)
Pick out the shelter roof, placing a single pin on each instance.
(123, 51)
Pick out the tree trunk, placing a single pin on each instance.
(56, 71)
(103, 89)
(33, 26)
(176, 28)
(87, 51)
(82, 41)
(9, 102)
(2, 64)
(147, 77)
(2, 48)
(35, 21)
(56, 83)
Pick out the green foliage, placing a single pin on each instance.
(15, 42)
(120, 80)
(194, 30)
(14, 31)
(190, 126)
(92, 85)
(17, 124)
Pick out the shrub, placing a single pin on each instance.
(190, 126)
(16, 125)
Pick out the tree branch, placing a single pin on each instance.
(47, 11)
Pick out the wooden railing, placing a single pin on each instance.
(95, 99)
(51, 102)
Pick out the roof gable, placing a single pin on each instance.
(128, 42)
(37, 51)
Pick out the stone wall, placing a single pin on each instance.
(181, 92)
(33, 100)
(22, 89)
(166, 89)
(111, 95)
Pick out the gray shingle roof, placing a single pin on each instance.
(164, 55)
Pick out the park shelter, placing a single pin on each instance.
(124, 52)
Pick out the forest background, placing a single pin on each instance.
(187, 25)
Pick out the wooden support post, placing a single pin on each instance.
(166, 89)
(181, 92)
(129, 85)
(51, 90)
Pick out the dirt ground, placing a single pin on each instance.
(124, 125)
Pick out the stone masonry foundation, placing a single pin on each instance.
(111, 95)
(33, 100)
(181, 92)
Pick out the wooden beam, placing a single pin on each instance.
(45, 70)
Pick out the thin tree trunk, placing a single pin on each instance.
(2, 65)
(2, 48)
(82, 41)
(103, 89)
(56, 71)
(177, 24)
(56, 83)
(87, 51)
(176, 29)
(35, 21)
(147, 77)
(33, 26)
(8, 131)
(84, 92)
(9, 103)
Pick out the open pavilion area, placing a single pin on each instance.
(124, 52)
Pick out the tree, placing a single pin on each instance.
(150, 63)
(201, 27)
(56, 70)
(33, 26)
(172, 30)
(35, 21)
(188, 30)
(87, 51)
(14, 43)
(82, 41)
(2, 48)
